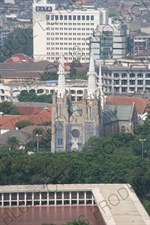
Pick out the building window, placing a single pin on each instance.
(132, 82)
(124, 82)
(139, 75)
(116, 74)
(123, 75)
(147, 82)
(59, 141)
(72, 98)
(78, 17)
(132, 75)
(122, 129)
(70, 17)
(140, 82)
(83, 17)
(87, 17)
(147, 74)
(65, 17)
(92, 17)
(74, 17)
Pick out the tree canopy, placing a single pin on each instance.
(18, 41)
(23, 123)
(9, 108)
(33, 97)
(115, 158)
(69, 223)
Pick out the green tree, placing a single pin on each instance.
(33, 97)
(23, 123)
(18, 41)
(72, 72)
(46, 123)
(146, 204)
(13, 143)
(144, 129)
(9, 108)
(39, 131)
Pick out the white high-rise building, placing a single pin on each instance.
(64, 30)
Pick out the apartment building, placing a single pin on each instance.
(110, 41)
(64, 30)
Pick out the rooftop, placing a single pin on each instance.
(117, 203)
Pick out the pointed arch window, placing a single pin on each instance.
(60, 110)
(123, 129)
(90, 113)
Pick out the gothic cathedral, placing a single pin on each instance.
(74, 123)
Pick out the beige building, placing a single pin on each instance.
(73, 123)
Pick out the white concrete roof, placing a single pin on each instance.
(117, 203)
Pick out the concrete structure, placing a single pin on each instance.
(10, 91)
(64, 29)
(117, 203)
(110, 41)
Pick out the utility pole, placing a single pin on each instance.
(142, 140)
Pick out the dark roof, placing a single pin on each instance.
(122, 112)
(34, 66)
(22, 137)
(109, 117)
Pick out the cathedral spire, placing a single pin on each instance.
(91, 66)
(61, 78)
(91, 79)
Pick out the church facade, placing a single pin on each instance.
(74, 123)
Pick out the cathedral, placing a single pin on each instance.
(73, 123)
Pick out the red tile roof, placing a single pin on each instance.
(9, 121)
(24, 110)
(140, 102)
(19, 58)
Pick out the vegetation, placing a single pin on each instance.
(113, 13)
(13, 143)
(46, 123)
(74, 74)
(33, 97)
(116, 158)
(70, 223)
(18, 41)
(44, 140)
(23, 123)
(9, 108)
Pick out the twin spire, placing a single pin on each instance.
(92, 86)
